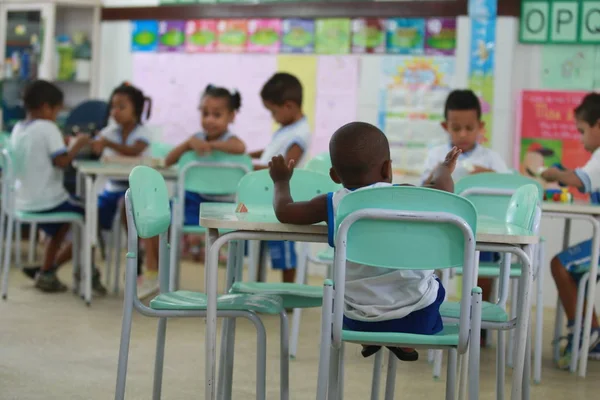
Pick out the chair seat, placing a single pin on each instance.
(492, 270)
(326, 255)
(447, 337)
(489, 312)
(294, 295)
(188, 300)
(48, 217)
(200, 229)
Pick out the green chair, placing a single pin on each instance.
(148, 215)
(320, 163)
(11, 217)
(429, 229)
(257, 189)
(491, 194)
(524, 210)
(160, 149)
(216, 174)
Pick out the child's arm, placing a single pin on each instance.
(256, 154)
(441, 177)
(294, 153)
(286, 210)
(65, 159)
(175, 154)
(233, 145)
(496, 163)
(566, 177)
(123, 149)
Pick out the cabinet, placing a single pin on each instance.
(33, 46)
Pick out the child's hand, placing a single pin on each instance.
(279, 170)
(452, 158)
(478, 169)
(551, 174)
(98, 145)
(201, 147)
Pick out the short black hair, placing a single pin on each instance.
(234, 99)
(39, 93)
(356, 148)
(589, 109)
(282, 87)
(137, 97)
(462, 100)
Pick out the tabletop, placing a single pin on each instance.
(262, 219)
(578, 207)
(116, 170)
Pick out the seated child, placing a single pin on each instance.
(569, 266)
(376, 299)
(40, 151)
(463, 123)
(282, 96)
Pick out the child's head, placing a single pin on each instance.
(282, 96)
(218, 107)
(587, 118)
(127, 105)
(43, 100)
(462, 115)
(360, 155)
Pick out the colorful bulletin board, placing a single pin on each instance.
(548, 134)
(413, 93)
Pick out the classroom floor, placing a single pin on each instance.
(54, 347)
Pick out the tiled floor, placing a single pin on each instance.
(54, 347)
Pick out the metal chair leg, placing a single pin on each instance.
(500, 365)
(451, 375)
(539, 316)
(159, 358)
(558, 323)
(390, 380)
(513, 315)
(117, 276)
(125, 338)
(376, 375)
(31, 254)
(18, 244)
(7, 251)
(284, 369)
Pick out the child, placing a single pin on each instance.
(41, 154)
(282, 96)
(127, 138)
(218, 108)
(463, 123)
(376, 299)
(569, 265)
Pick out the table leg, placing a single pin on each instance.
(211, 271)
(89, 237)
(521, 330)
(591, 296)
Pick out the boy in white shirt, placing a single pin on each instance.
(41, 156)
(569, 266)
(282, 96)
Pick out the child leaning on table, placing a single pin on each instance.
(282, 96)
(40, 152)
(569, 266)
(376, 299)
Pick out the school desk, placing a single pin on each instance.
(88, 173)
(260, 223)
(591, 213)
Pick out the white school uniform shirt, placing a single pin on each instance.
(480, 155)
(113, 133)
(39, 184)
(287, 136)
(590, 173)
(380, 294)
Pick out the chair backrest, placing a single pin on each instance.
(424, 242)
(524, 208)
(160, 149)
(320, 163)
(86, 115)
(149, 202)
(257, 187)
(4, 138)
(491, 192)
(214, 174)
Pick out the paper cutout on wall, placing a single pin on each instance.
(568, 67)
(144, 36)
(232, 35)
(440, 36)
(332, 36)
(201, 36)
(368, 35)
(405, 36)
(264, 35)
(336, 101)
(172, 36)
(298, 36)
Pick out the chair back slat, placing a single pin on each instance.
(524, 208)
(413, 243)
(149, 201)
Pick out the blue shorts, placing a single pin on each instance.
(576, 259)
(72, 205)
(426, 321)
(489, 257)
(191, 208)
(107, 208)
(283, 254)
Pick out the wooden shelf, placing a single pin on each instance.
(315, 9)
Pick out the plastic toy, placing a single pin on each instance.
(558, 196)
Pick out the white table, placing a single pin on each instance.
(88, 173)
(260, 223)
(591, 213)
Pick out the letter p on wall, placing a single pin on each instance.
(560, 22)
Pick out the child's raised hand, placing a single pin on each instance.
(279, 170)
(452, 158)
(200, 146)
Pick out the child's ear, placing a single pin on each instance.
(334, 176)
(444, 125)
(386, 170)
(481, 125)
